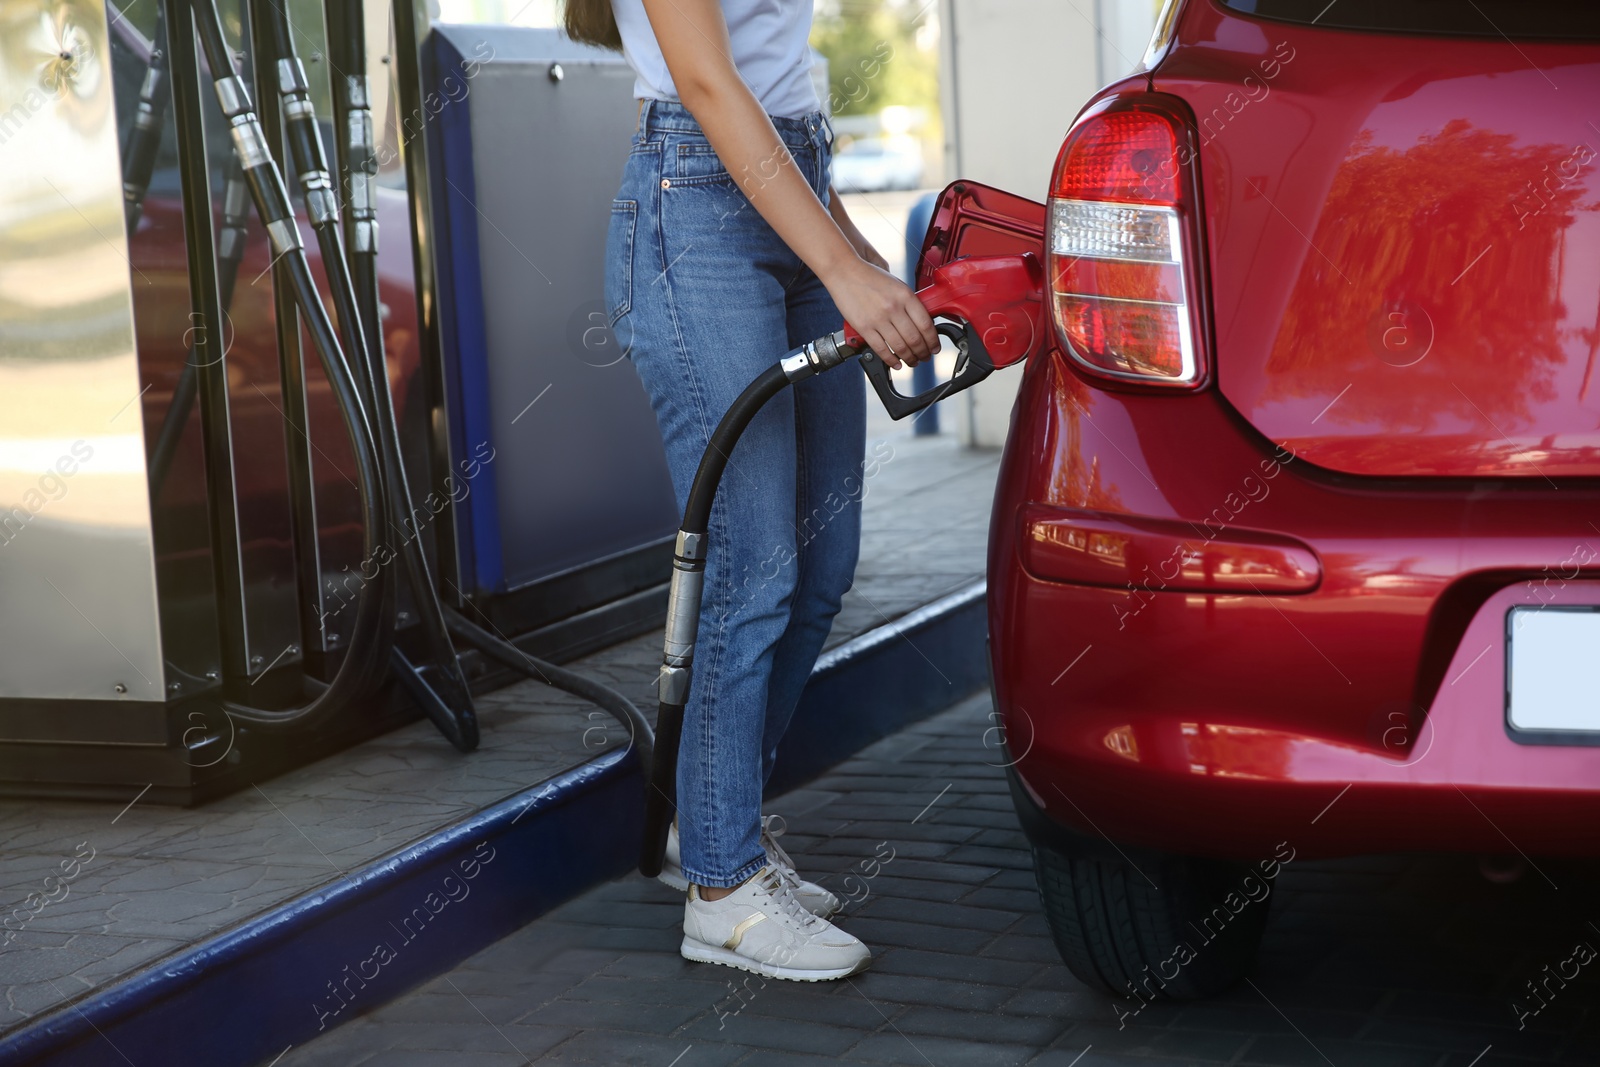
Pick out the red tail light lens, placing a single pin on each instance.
(1120, 155)
(1121, 237)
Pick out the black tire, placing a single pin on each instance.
(1120, 934)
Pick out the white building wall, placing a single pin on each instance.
(1014, 73)
(1125, 28)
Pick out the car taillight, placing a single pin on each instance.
(1121, 244)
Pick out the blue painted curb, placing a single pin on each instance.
(283, 977)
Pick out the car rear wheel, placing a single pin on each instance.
(1177, 927)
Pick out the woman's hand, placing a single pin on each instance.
(884, 311)
(889, 318)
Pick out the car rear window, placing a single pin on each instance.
(1527, 19)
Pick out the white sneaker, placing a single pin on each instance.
(761, 927)
(812, 897)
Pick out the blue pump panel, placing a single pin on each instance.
(527, 139)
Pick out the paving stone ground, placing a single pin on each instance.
(1376, 962)
(160, 879)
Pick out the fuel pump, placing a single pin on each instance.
(356, 368)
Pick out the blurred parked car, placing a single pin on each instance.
(1296, 548)
(878, 164)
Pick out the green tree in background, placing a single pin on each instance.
(880, 52)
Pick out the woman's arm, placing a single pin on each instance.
(694, 42)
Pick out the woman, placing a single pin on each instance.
(727, 248)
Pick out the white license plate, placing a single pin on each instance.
(1554, 667)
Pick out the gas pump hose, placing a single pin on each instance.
(271, 199)
(144, 138)
(683, 598)
(452, 711)
(641, 736)
(139, 160)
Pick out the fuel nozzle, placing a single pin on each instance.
(991, 307)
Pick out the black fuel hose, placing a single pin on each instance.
(345, 58)
(230, 253)
(274, 37)
(271, 199)
(453, 712)
(703, 492)
(144, 138)
(620, 707)
(688, 576)
(357, 156)
(311, 170)
(138, 165)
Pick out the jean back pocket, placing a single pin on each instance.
(619, 259)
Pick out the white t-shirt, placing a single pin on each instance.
(770, 52)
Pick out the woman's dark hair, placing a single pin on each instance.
(592, 22)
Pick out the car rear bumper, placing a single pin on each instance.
(1248, 650)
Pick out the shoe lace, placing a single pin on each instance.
(771, 828)
(776, 883)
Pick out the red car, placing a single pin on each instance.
(1296, 547)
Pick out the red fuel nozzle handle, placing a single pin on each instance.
(996, 304)
(1002, 297)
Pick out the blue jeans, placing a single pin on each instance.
(704, 296)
